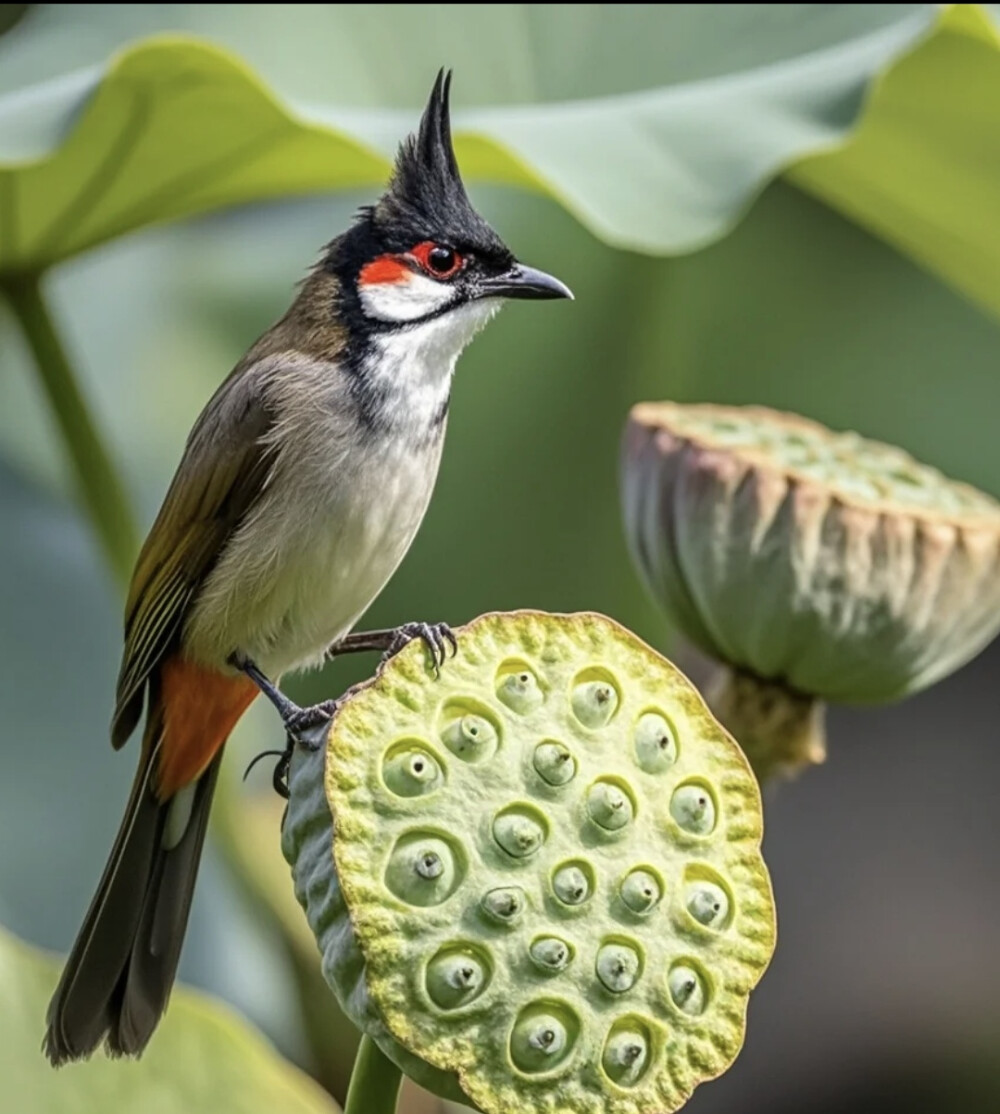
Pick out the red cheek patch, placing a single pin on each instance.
(385, 269)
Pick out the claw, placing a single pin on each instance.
(435, 636)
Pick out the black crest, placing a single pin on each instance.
(426, 199)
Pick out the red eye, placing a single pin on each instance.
(436, 259)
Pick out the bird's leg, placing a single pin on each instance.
(435, 636)
(305, 727)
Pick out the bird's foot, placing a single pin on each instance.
(435, 636)
(304, 727)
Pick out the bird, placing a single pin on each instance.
(299, 491)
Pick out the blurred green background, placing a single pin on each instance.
(884, 862)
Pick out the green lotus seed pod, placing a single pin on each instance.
(609, 805)
(520, 830)
(655, 743)
(641, 891)
(687, 988)
(410, 770)
(520, 691)
(594, 703)
(550, 954)
(471, 738)
(505, 904)
(493, 938)
(554, 763)
(693, 808)
(457, 975)
(618, 965)
(815, 566)
(627, 1051)
(707, 903)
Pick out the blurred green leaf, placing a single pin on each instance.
(921, 171)
(203, 1058)
(173, 127)
(248, 827)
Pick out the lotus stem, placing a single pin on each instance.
(99, 483)
(375, 1082)
(781, 732)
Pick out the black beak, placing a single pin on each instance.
(523, 282)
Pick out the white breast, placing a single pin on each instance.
(342, 507)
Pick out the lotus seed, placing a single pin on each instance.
(554, 763)
(708, 904)
(641, 891)
(455, 977)
(655, 743)
(520, 831)
(618, 967)
(520, 692)
(471, 738)
(687, 989)
(609, 806)
(571, 884)
(594, 703)
(540, 1040)
(626, 1052)
(411, 771)
(693, 809)
(504, 905)
(550, 954)
(422, 870)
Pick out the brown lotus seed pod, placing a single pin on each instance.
(815, 566)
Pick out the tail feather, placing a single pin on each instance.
(152, 964)
(118, 976)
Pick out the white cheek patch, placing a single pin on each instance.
(407, 300)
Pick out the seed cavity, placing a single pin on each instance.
(551, 954)
(707, 897)
(457, 975)
(610, 804)
(409, 769)
(470, 738)
(554, 763)
(693, 808)
(688, 987)
(641, 890)
(504, 905)
(619, 964)
(518, 687)
(573, 882)
(424, 868)
(543, 1036)
(627, 1051)
(520, 829)
(655, 742)
(595, 698)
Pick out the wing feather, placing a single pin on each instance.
(225, 467)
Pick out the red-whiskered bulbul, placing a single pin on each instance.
(300, 489)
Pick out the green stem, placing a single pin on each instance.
(100, 486)
(375, 1082)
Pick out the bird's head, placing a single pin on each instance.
(423, 252)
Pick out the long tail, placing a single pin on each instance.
(117, 979)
